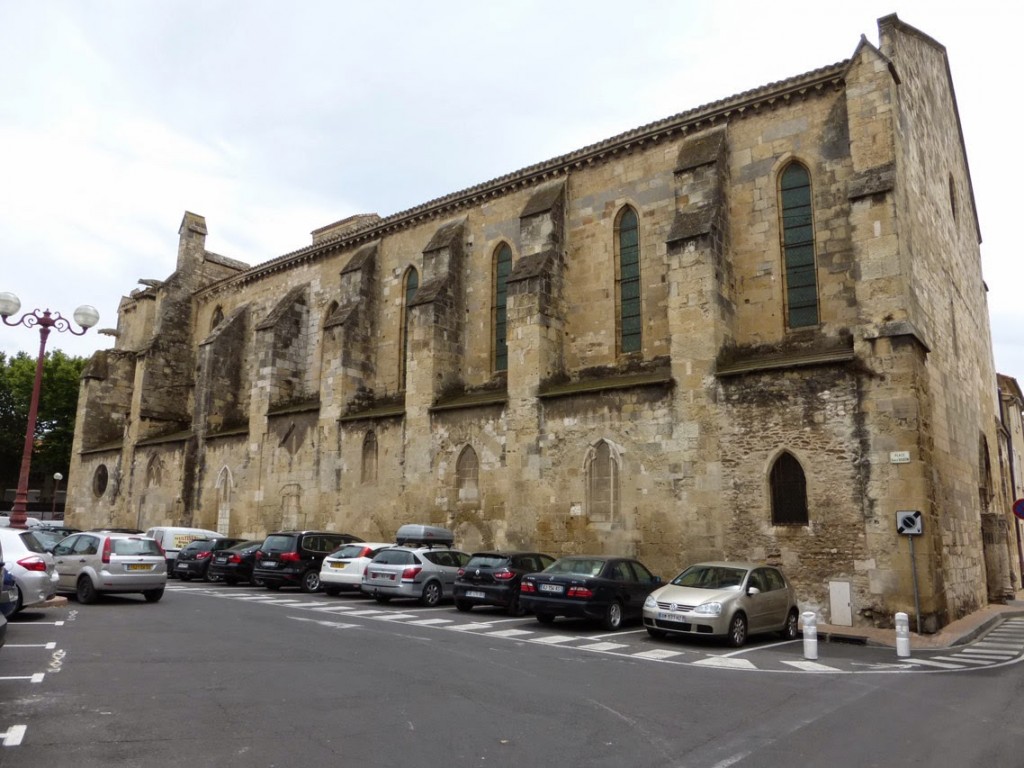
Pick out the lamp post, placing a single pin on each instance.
(57, 477)
(86, 317)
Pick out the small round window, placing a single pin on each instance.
(99, 480)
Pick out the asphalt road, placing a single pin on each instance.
(219, 676)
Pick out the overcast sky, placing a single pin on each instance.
(272, 119)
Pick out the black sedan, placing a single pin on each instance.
(235, 563)
(193, 561)
(492, 578)
(603, 588)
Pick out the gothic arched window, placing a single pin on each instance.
(627, 247)
(798, 247)
(502, 269)
(789, 491)
(412, 282)
(602, 472)
(467, 475)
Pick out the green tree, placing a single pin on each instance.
(55, 421)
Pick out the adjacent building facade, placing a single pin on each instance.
(756, 329)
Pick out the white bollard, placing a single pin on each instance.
(902, 634)
(810, 634)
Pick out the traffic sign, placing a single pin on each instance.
(909, 522)
(1018, 508)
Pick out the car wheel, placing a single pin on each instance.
(257, 582)
(463, 606)
(310, 582)
(657, 634)
(545, 618)
(431, 594)
(332, 591)
(613, 616)
(20, 603)
(791, 630)
(153, 595)
(85, 591)
(737, 631)
(513, 608)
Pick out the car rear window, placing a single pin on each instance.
(134, 547)
(199, 546)
(487, 561)
(31, 542)
(582, 567)
(350, 550)
(279, 544)
(395, 557)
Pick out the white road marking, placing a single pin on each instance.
(14, 735)
(601, 646)
(396, 616)
(939, 664)
(365, 612)
(964, 660)
(988, 654)
(620, 633)
(509, 633)
(1001, 646)
(554, 639)
(725, 663)
(813, 666)
(471, 627)
(47, 646)
(658, 653)
(431, 622)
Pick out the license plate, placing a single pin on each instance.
(338, 565)
(557, 588)
(269, 564)
(475, 594)
(140, 567)
(682, 618)
(179, 566)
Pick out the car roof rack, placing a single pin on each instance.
(415, 535)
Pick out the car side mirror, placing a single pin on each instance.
(753, 591)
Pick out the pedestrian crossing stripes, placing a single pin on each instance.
(1002, 645)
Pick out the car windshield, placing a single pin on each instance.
(279, 544)
(581, 566)
(710, 577)
(487, 561)
(134, 547)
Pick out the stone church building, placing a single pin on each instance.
(756, 329)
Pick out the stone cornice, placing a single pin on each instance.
(767, 97)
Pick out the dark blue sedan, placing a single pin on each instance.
(602, 588)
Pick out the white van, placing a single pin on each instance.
(173, 539)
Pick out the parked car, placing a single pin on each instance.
(599, 587)
(51, 535)
(193, 561)
(235, 563)
(91, 563)
(731, 600)
(30, 564)
(423, 568)
(173, 538)
(492, 578)
(294, 558)
(343, 569)
(8, 591)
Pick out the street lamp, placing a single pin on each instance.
(86, 317)
(57, 477)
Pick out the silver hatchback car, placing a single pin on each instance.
(731, 600)
(93, 562)
(30, 564)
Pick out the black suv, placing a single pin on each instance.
(492, 578)
(293, 558)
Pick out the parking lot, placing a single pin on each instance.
(1002, 646)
